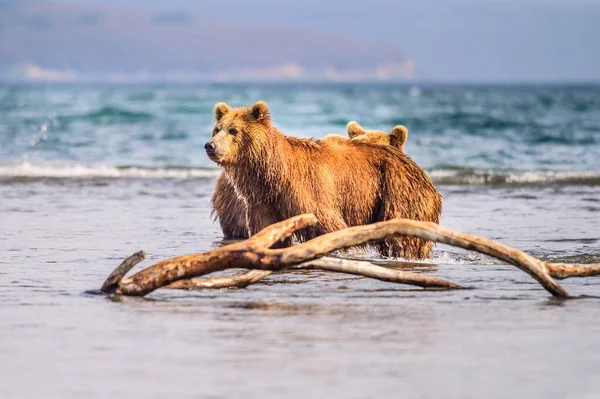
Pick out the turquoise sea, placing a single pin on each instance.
(90, 173)
(460, 134)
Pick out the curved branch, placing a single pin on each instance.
(281, 230)
(115, 277)
(429, 231)
(255, 254)
(238, 255)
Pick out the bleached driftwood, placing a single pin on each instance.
(255, 253)
(356, 267)
(558, 271)
(237, 281)
(565, 270)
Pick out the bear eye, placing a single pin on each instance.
(215, 131)
(233, 131)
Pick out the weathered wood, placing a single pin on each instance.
(356, 267)
(565, 270)
(115, 277)
(426, 230)
(255, 253)
(238, 281)
(367, 269)
(239, 255)
(556, 270)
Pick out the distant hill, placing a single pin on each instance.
(58, 41)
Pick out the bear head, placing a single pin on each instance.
(238, 132)
(396, 138)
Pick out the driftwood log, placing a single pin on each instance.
(255, 253)
(356, 267)
(558, 271)
(565, 270)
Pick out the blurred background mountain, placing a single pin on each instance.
(270, 40)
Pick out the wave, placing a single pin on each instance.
(27, 171)
(464, 121)
(439, 176)
(110, 115)
(486, 177)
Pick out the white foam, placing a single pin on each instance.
(445, 176)
(439, 176)
(441, 257)
(547, 176)
(102, 171)
(438, 257)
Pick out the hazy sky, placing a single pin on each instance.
(490, 40)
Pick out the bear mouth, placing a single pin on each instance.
(215, 158)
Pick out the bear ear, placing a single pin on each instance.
(398, 136)
(220, 110)
(354, 129)
(260, 111)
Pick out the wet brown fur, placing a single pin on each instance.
(230, 209)
(345, 183)
(335, 138)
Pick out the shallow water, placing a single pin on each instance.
(67, 221)
(302, 334)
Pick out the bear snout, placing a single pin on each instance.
(210, 148)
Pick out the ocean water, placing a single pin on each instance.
(90, 174)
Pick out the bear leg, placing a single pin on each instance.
(399, 246)
(229, 209)
(329, 222)
(260, 216)
(404, 247)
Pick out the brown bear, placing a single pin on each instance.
(343, 184)
(230, 210)
(396, 138)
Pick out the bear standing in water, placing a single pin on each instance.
(346, 184)
(231, 210)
